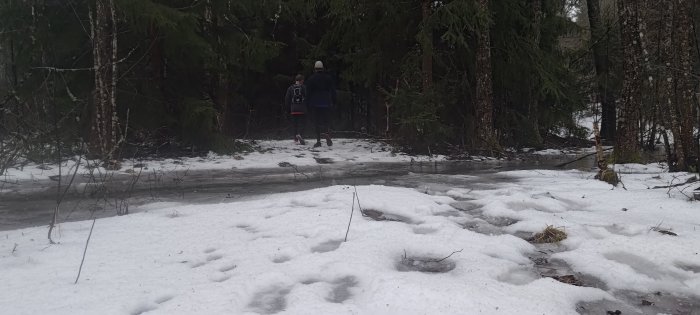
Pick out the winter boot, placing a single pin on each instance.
(329, 142)
(300, 140)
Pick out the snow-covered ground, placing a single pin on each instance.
(284, 253)
(268, 154)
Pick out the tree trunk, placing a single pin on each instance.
(105, 125)
(222, 95)
(484, 86)
(668, 83)
(684, 87)
(427, 48)
(602, 69)
(535, 36)
(627, 144)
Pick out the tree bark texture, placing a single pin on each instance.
(684, 86)
(535, 36)
(627, 142)
(602, 67)
(427, 47)
(105, 125)
(484, 85)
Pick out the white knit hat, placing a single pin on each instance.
(318, 65)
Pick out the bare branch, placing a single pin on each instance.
(54, 69)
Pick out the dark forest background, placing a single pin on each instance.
(117, 77)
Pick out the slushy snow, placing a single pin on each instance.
(284, 253)
(268, 154)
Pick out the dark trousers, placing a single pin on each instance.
(321, 121)
(299, 122)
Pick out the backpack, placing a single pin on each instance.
(297, 95)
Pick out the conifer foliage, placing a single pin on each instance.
(477, 75)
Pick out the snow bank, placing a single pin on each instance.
(283, 253)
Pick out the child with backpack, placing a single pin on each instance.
(295, 99)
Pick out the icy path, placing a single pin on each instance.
(284, 253)
(268, 154)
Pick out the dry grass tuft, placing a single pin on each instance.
(549, 235)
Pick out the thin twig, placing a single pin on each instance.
(688, 181)
(85, 251)
(450, 255)
(352, 210)
(358, 199)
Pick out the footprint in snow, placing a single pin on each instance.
(145, 306)
(219, 277)
(281, 259)
(341, 290)
(209, 258)
(164, 298)
(424, 230)
(327, 246)
(270, 301)
(228, 267)
(198, 264)
(214, 257)
(247, 228)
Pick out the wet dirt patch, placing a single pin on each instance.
(377, 215)
(654, 303)
(270, 301)
(558, 269)
(568, 279)
(341, 291)
(327, 246)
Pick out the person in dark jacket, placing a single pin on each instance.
(320, 90)
(295, 99)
